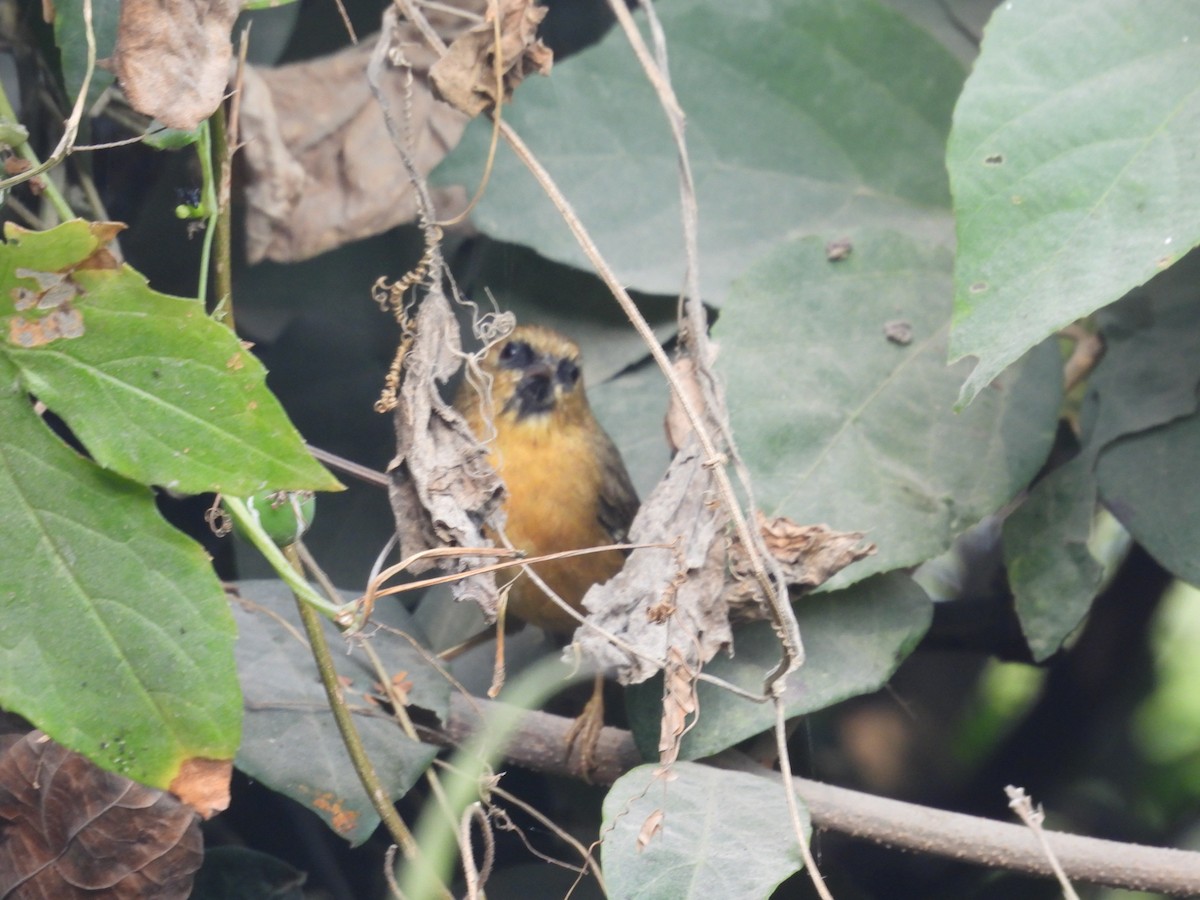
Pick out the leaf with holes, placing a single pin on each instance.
(154, 388)
(803, 116)
(116, 639)
(844, 407)
(1072, 166)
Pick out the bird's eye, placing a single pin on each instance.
(567, 372)
(516, 355)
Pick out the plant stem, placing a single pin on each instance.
(57, 200)
(253, 532)
(204, 147)
(315, 630)
(221, 223)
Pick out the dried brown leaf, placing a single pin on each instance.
(466, 76)
(321, 169)
(679, 702)
(678, 425)
(69, 829)
(683, 581)
(442, 486)
(808, 556)
(203, 784)
(173, 58)
(650, 829)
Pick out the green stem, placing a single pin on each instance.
(249, 526)
(51, 192)
(204, 148)
(363, 766)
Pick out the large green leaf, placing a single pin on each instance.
(802, 117)
(1072, 166)
(1149, 482)
(1051, 570)
(853, 639)
(722, 834)
(292, 743)
(1150, 371)
(842, 425)
(1148, 377)
(155, 389)
(114, 634)
(70, 34)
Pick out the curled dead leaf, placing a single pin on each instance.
(203, 784)
(321, 169)
(808, 556)
(442, 486)
(684, 576)
(650, 829)
(69, 829)
(466, 76)
(679, 702)
(173, 58)
(678, 426)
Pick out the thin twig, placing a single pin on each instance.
(764, 567)
(204, 148)
(589, 861)
(1022, 804)
(71, 129)
(785, 769)
(349, 467)
(346, 22)
(498, 74)
(476, 876)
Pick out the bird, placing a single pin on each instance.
(567, 487)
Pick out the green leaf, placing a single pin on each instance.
(842, 425)
(70, 34)
(292, 743)
(789, 104)
(155, 389)
(1070, 166)
(116, 641)
(853, 640)
(1150, 371)
(160, 137)
(1051, 571)
(1149, 482)
(723, 834)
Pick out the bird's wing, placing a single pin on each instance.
(618, 500)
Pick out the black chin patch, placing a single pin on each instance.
(534, 394)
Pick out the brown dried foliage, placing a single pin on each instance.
(72, 830)
(321, 169)
(173, 58)
(466, 76)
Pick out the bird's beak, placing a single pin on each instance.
(535, 392)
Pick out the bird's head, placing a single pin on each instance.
(536, 378)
